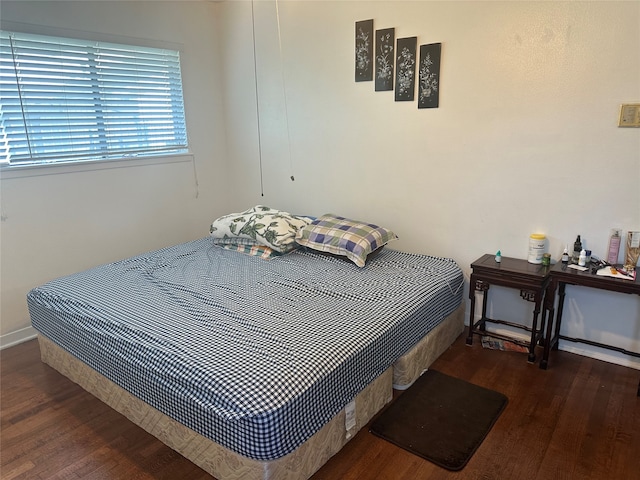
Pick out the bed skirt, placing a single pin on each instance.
(217, 460)
(410, 366)
(223, 463)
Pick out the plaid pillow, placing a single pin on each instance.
(341, 236)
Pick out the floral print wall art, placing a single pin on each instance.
(429, 75)
(364, 51)
(385, 40)
(406, 69)
(378, 57)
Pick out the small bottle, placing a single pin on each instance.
(498, 257)
(582, 258)
(565, 255)
(577, 247)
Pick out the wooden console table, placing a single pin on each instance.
(561, 276)
(531, 279)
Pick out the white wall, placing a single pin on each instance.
(525, 139)
(54, 225)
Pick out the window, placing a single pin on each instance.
(68, 100)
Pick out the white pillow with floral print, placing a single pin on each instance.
(262, 225)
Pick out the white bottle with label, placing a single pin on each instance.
(582, 259)
(536, 247)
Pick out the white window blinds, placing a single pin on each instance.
(65, 100)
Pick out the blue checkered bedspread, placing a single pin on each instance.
(256, 355)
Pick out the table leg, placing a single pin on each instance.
(535, 297)
(534, 331)
(561, 290)
(474, 286)
(543, 324)
(543, 320)
(549, 304)
(484, 287)
(472, 308)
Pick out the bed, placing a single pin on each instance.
(250, 368)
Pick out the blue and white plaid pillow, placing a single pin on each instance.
(342, 236)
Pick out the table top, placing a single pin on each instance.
(561, 272)
(487, 263)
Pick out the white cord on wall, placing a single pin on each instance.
(255, 76)
(284, 93)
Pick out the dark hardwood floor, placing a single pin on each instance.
(580, 419)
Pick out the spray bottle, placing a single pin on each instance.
(614, 246)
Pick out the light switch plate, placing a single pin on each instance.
(629, 115)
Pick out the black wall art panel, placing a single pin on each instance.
(385, 40)
(364, 51)
(381, 57)
(429, 75)
(406, 69)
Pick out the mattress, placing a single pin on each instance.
(219, 461)
(255, 355)
(224, 464)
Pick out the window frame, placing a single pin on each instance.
(47, 167)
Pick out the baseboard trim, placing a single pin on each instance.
(571, 347)
(600, 354)
(19, 336)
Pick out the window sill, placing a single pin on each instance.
(8, 173)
